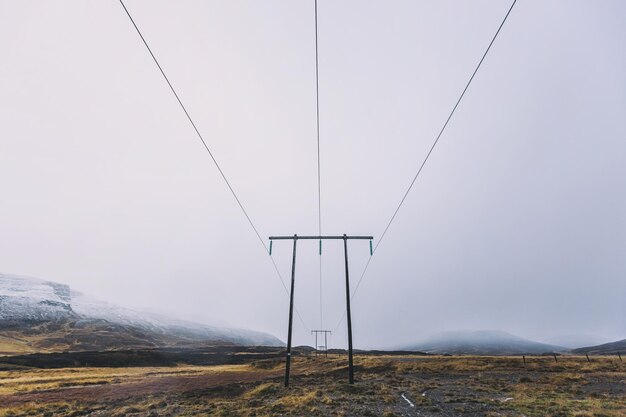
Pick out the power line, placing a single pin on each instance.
(319, 180)
(282, 281)
(210, 154)
(431, 150)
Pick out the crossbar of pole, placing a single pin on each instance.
(320, 237)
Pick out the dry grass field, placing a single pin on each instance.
(386, 386)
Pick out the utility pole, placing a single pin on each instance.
(293, 280)
(348, 316)
(345, 239)
(325, 345)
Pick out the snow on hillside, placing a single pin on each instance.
(25, 299)
(87, 306)
(32, 299)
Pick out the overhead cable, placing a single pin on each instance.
(206, 147)
(421, 167)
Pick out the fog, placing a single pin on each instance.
(517, 223)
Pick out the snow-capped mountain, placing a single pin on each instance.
(90, 307)
(32, 303)
(33, 300)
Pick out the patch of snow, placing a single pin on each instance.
(25, 298)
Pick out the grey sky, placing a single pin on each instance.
(517, 223)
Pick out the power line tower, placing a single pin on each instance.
(295, 239)
(321, 348)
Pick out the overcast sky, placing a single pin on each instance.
(518, 221)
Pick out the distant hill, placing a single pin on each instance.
(39, 316)
(575, 341)
(605, 349)
(485, 342)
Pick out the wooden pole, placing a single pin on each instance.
(348, 316)
(289, 332)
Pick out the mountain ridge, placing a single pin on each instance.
(611, 348)
(483, 342)
(37, 314)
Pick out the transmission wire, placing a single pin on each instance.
(319, 181)
(427, 157)
(210, 154)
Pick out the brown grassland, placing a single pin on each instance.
(435, 385)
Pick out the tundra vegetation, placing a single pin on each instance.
(435, 385)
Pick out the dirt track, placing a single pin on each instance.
(116, 392)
